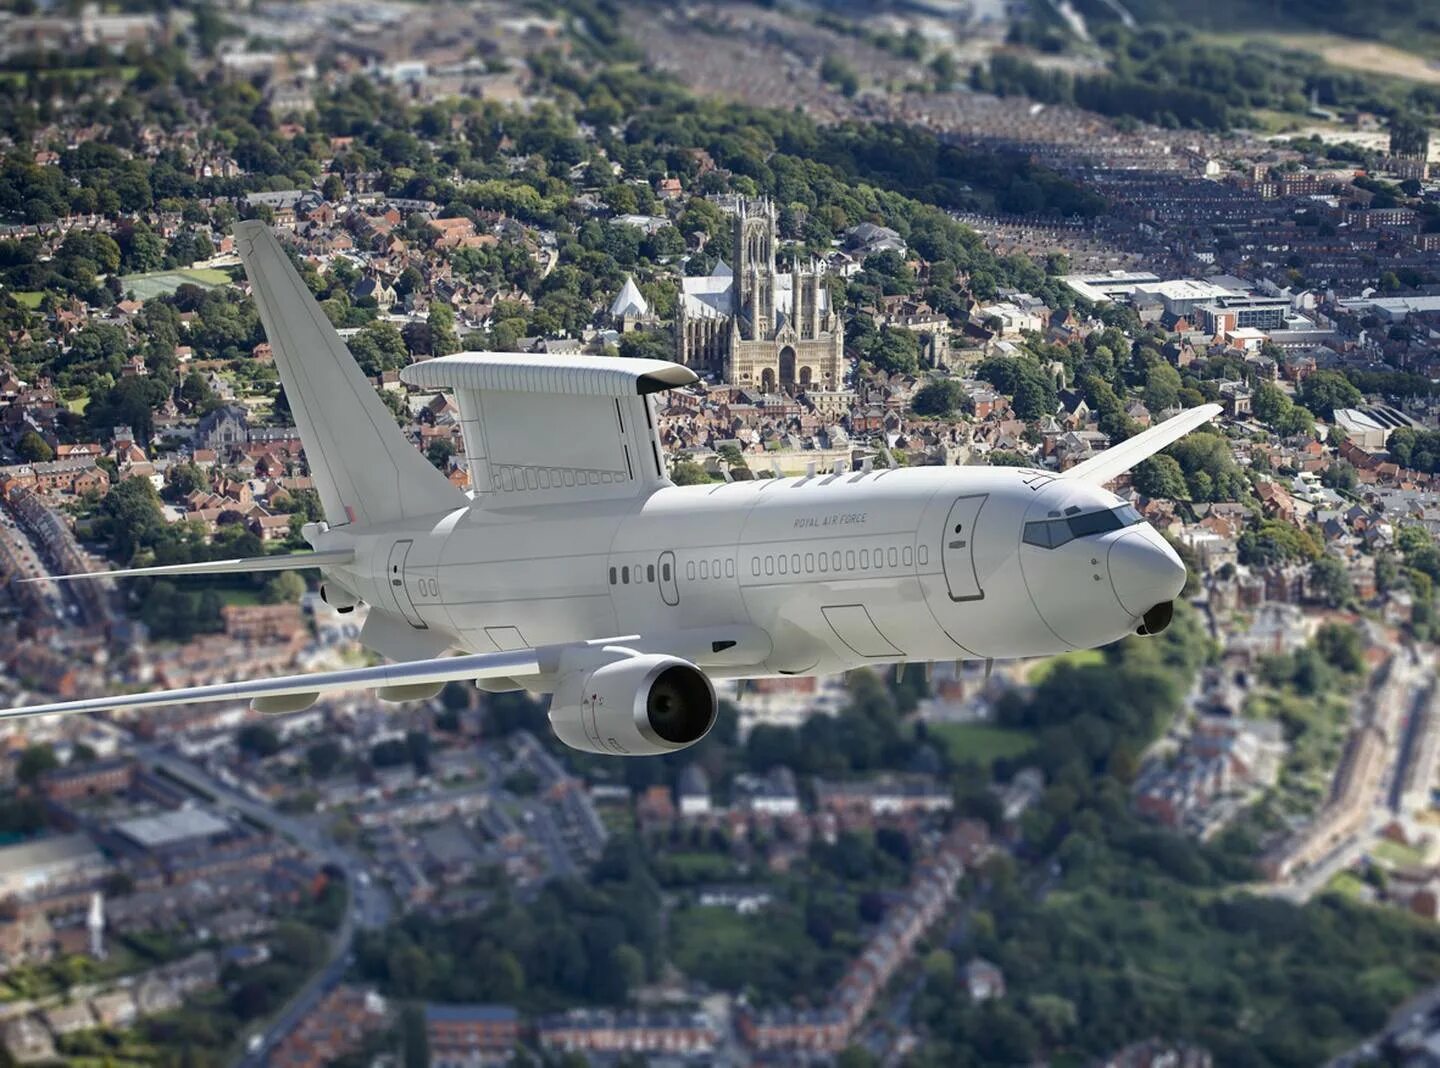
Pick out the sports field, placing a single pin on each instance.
(980, 742)
(162, 283)
(1372, 57)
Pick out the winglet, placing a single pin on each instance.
(1121, 458)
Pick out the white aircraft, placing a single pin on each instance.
(576, 567)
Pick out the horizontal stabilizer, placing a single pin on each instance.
(522, 662)
(1116, 461)
(244, 565)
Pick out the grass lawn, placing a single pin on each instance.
(1348, 884)
(241, 597)
(29, 298)
(163, 283)
(1401, 856)
(78, 405)
(690, 868)
(980, 742)
(1372, 57)
(1080, 658)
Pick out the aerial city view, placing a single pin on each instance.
(719, 534)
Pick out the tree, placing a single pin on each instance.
(1330, 581)
(1324, 391)
(1162, 387)
(285, 588)
(840, 74)
(1161, 476)
(324, 757)
(895, 350)
(441, 321)
(438, 452)
(688, 473)
(414, 1038)
(259, 740)
(196, 392)
(1341, 647)
(34, 449)
(938, 398)
(34, 762)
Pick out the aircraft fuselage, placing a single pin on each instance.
(825, 572)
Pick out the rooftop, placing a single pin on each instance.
(168, 828)
(59, 849)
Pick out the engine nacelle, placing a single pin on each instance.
(641, 705)
(337, 596)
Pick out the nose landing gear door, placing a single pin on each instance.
(957, 553)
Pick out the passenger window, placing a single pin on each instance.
(665, 572)
(864, 559)
(809, 562)
(690, 570)
(924, 554)
(612, 576)
(715, 569)
(824, 562)
(784, 564)
(850, 559)
(894, 557)
(907, 556)
(625, 576)
(729, 568)
(795, 563)
(835, 560)
(704, 569)
(769, 565)
(754, 565)
(650, 573)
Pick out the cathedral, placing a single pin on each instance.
(756, 326)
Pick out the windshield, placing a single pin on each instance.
(1053, 533)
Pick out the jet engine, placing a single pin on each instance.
(641, 705)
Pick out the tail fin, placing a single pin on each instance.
(365, 470)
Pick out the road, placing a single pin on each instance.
(1409, 684)
(369, 907)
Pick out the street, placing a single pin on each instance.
(368, 908)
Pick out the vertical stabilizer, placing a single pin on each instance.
(364, 469)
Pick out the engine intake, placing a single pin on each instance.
(637, 706)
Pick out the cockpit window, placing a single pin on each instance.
(1053, 533)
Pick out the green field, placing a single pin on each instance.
(1080, 658)
(980, 742)
(163, 283)
(1347, 884)
(1401, 856)
(29, 298)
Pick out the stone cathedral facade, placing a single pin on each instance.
(758, 326)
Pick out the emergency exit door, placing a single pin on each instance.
(399, 588)
(957, 554)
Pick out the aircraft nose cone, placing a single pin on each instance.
(1144, 571)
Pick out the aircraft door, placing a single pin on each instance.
(957, 552)
(669, 581)
(395, 575)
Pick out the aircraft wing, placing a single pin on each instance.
(244, 565)
(520, 662)
(1121, 458)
